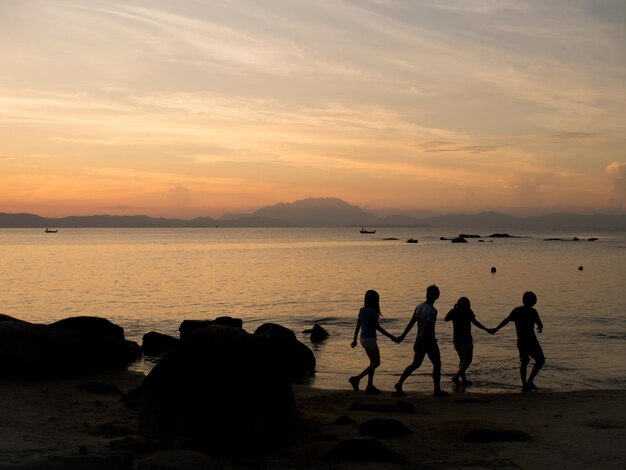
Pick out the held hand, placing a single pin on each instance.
(353, 344)
(492, 331)
(393, 338)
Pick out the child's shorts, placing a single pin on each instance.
(369, 343)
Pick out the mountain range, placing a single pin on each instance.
(323, 212)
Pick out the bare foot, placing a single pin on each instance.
(399, 392)
(354, 381)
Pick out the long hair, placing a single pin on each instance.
(372, 300)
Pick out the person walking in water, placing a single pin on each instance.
(425, 315)
(462, 318)
(525, 318)
(368, 324)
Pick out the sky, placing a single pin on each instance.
(196, 108)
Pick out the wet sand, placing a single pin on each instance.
(566, 429)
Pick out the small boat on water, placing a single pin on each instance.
(48, 230)
(367, 231)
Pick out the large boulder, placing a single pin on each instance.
(92, 325)
(156, 344)
(32, 351)
(35, 351)
(298, 359)
(189, 326)
(222, 385)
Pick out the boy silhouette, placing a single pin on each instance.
(425, 315)
(525, 318)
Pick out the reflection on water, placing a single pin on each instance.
(146, 279)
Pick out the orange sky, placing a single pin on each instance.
(199, 108)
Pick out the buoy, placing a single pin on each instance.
(493, 270)
(580, 268)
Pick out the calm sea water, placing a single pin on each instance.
(146, 279)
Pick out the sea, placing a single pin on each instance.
(153, 279)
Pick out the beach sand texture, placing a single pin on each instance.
(567, 429)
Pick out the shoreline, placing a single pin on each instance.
(571, 429)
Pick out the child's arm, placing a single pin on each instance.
(502, 323)
(539, 324)
(356, 333)
(479, 324)
(407, 329)
(385, 332)
(449, 315)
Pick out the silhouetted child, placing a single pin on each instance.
(425, 315)
(525, 318)
(462, 318)
(368, 324)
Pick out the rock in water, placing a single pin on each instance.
(155, 344)
(318, 333)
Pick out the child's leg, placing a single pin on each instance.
(455, 377)
(435, 357)
(540, 360)
(418, 358)
(374, 355)
(468, 357)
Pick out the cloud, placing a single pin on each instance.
(616, 172)
(179, 196)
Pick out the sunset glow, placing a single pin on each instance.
(192, 108)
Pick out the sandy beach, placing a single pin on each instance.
(82, 418)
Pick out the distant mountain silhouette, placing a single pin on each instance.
(319, 212)
(326, 212)
(100, 221)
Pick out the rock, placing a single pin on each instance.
(342, 420)
(411, 240)
(189, 326)
(553, 239)
(383, 428)
(464, 235)
(496, 435)
(183, 460)
(361, 450)
(458, 240)
(575, 239)
(155, 344)
(390, 238)
(442, 238)
(299, 359)
(225, 386)
(92, 325)
(592, 239)
(318, 333)
(99, 388)
(4, 317)
(33, 351)
(500, 235)
(398, 406)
